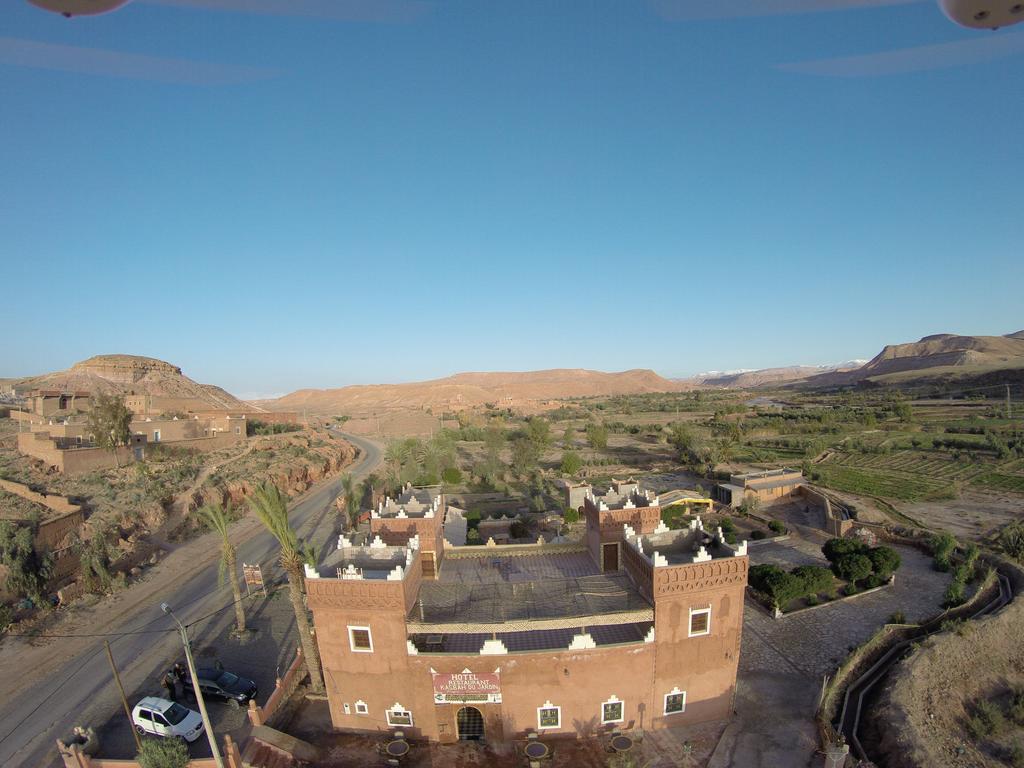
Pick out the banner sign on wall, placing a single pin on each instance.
(466, 687)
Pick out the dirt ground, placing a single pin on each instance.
(924, 710)
(974, 516)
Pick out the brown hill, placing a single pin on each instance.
(130, 374)
(465, 390)
(764, 377)
(940, 353)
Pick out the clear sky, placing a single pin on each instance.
(359, 191)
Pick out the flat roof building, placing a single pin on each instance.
(766, 485)
(549, 638)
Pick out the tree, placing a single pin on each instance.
(352, 495)
(217, 518)
(884, 561)
(539, 432)
(597, 436)
(27, 570)
(852, 567)
(836, 548)
(95, 556)
(571, 463)
(271, 507)
(163, 753)
(451, 476)
(110, 423)
(525, 455)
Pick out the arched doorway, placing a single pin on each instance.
(470, 724)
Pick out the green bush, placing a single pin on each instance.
(163, 753)
(813, 578)
(571, 515)
(884, 561)
(777, 526)
(987, 720)
(852, 567)
(942, 546)
(1011, 539)
(836, 548)
(727, 525)
(954, 594)
(473, 536)
(451, 476)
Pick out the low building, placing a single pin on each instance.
(498, 642)
(48, 402)
(766, 486)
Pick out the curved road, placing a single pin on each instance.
(65, 696)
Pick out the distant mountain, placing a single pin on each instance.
(472, 389)
(129, 374)
(747, 378)
(938, 355)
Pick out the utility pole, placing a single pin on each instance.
(195, 686)
(124, 699)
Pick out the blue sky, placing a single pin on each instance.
(409, 189)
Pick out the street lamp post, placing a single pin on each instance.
(195, 686)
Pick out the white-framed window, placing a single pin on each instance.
(612, 711)
(700, 622)
(347, 708)
(360, 640)
(156, 435)
(397, 716)
(549, 716)
(675, 702)
(361, 708)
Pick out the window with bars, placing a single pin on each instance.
(675, 702)
(612, 711)
(700, 622)
(360, 640)
(549, 717)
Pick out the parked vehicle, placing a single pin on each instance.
(161, 717)
(221, 684)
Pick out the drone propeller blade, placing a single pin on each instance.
(687, 10)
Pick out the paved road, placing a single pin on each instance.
(82, 691)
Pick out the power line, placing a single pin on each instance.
(47, 697)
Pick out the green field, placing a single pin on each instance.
(997, 481)
(878, 482)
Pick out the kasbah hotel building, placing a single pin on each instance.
(637, 627)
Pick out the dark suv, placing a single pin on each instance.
(221, 684)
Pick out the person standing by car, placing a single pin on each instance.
(170, 685)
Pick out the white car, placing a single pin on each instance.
(166, 718)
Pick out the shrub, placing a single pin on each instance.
(757, 535)
(942, 547)
(836, 548)
(451, 476)
(777, 526)
(1011, 539)
(884, 561)
(163, 753)
(571, 515)
(571, 463)
(473, 536)
(954, 594)
(813, 578)
(1016, 711)
(727, 525)
(812, 600)
(852, 567)
(987, 720)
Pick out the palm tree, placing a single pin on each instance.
(352, 493)
(217, 517)
(271, 507)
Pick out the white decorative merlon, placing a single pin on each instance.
(491, 542)
(429, 513)
(661, 527)
(311, 572)
(700, 523)
(540, 540)
(377, 543)
(582, 642)
(350, 572)
(719, 536)
(741, 549)
(654, 502)
(401, 514)
(702, 556)
(344, 541)
(629, 504)
(414, 542)
(628, 531)
(649, 637)
(397, 574)
(409, 555)
(413, 650)
(693, 523)
(602, 506)
(659, 560)
(493, 648)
